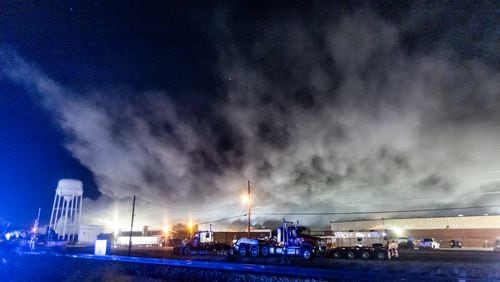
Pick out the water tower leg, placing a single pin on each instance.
(58, 216)
(70, 217)
(65, 209)
(52, 213)
(79, 212)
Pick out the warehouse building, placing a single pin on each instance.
(471, 231)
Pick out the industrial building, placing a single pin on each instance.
(471, 231)
(88, 233)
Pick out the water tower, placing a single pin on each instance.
(67, 209)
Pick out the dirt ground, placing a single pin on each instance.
(59, 265)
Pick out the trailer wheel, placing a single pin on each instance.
(306, 253)
(350, 255)
(243, 251)
(264, 250)
(187, 251)
(336, 255)
(381, 255)
(254, 251)
(365, 255)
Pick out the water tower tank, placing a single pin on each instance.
(69, 188)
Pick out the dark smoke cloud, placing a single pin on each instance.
(331, 116)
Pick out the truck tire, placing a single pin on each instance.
(187, 251)
(350, 254)
(381, 255)
(254, 251)
(242, 251)
(264, 250)
(365, 255)
(306, 253)
(337, 255)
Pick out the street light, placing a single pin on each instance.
(244, 199)
(190, 227)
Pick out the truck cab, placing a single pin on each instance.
(291, 240)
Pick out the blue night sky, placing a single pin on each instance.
(180, 102)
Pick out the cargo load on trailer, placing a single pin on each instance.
(202, 243)
(363, 244)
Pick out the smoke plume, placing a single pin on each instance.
(323, 116)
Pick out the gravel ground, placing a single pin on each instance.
(59, 268)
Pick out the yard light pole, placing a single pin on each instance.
(383, 226)
(131, 227)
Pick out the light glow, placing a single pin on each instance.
(116, 222)
(398, 231)
(165, 226)
(245, 199)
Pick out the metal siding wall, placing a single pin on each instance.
(467, 222)
(472, 231)
(469, 237)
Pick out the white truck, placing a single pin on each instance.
(429, 243)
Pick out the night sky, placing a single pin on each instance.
(326, 106)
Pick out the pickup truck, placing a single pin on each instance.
(429, 243)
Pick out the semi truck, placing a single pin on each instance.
(291, 240)
(364, 245)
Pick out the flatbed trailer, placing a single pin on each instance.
(377, 252)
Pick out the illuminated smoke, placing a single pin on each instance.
(337, 119)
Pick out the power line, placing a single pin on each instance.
(353, 213)
(322, 213)
(223, 219)
(378, 212)
(373, 201)
(179, 209)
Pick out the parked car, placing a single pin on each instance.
(429, 243)
(455, 244)
(405, 243)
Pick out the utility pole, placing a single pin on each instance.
(383, 226)
(249, 210)
(131, 227)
